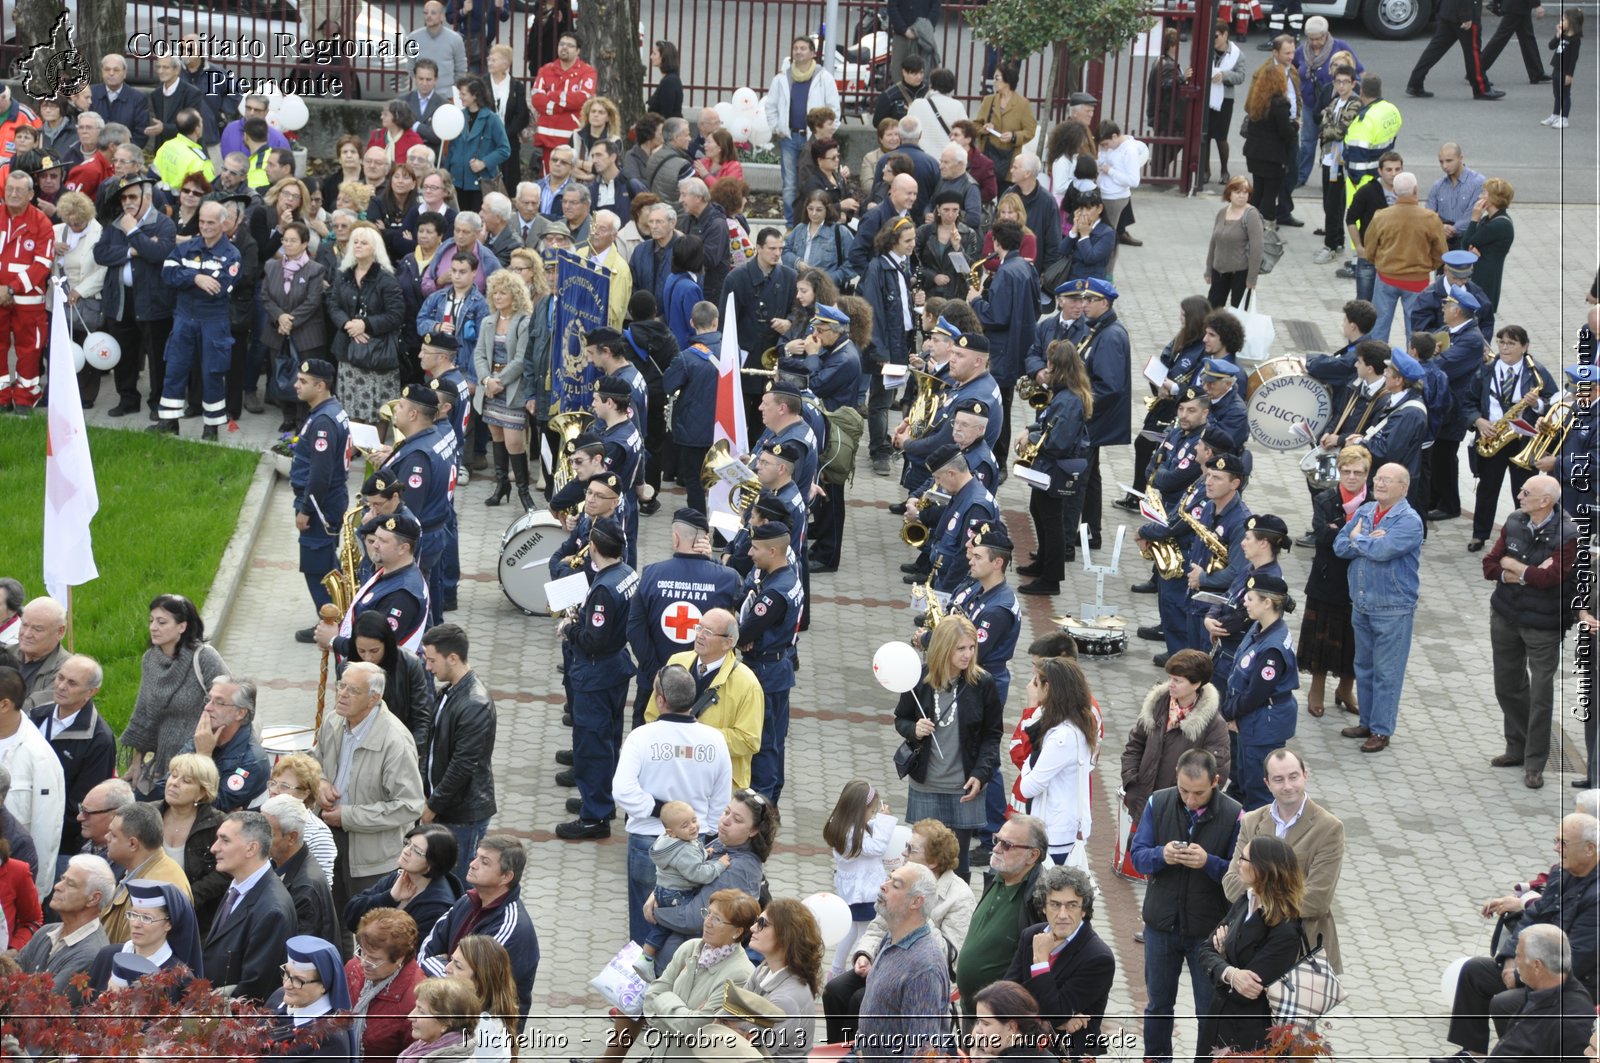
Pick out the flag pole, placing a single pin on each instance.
(70, 647)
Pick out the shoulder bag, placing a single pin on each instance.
(1308, 992)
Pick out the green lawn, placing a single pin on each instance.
(167, 510)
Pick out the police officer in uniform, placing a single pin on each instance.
(396, 589)
(202, 270)
(1174, 468)
(598, 672)
(1224, 515)
(769, 622)
(424, 462)
(321, 463)
(1260, 696)
(673, 595)
(970, 502)
(623, 445)
(437, 357)
(1265, 534)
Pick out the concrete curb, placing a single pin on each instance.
(241, 548)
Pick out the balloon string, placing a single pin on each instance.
(925, 716)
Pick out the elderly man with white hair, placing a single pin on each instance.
(117, 101)
(499, 234)
(299, 870)
(953, 177)
(706, 220)
(371, 785)
(1043, 209)
(66, 949)
(38, 786)
(604, 250)
(906, 1008)
(1405, 242)
(39, 636)
(81, 738)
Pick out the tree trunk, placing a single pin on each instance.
(612, 46)
(102, 29)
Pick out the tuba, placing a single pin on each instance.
(1551, 433)
(567, 427)
(1504, 430)
(1164, 552)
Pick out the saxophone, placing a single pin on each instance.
(1503, 433)
(1164, 552)
(341, 582)
(928, 598)
(1219, 549)
(1028, 452)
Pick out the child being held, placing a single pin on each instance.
(681, 865)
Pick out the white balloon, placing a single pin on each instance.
(895, 855)
(448, 122)
(739, 127)
(294, 114)
(897, 667)
(275, 120)
(724, 111)
(745, 99)
(832, 915)
(101, 350)
(76, 351)
(1448, 980)
(760, 133)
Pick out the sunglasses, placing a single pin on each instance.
(761, 923)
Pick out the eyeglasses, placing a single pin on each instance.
(189, 192)
(708, 633)
(1063, 906)
(915, 850)
(712, 918)
(87, 812)
(1005, 846)
(279, 786)
(761, 923)
(295, 980)
(413, 851)
(140, 919)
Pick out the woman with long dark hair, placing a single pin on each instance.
(408, 688)
(1065, 741)
(1258, 943)
(1008, 1026)
(667, 97)
(888, 286)
(175, 677)
(1181, 357)
(484, 962)
(1062, 436)
(819, 240)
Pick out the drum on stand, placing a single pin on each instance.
(1281, 395)
(1104, 637)
(525, 552)
(282, 741)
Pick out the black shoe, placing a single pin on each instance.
(153, 415)
(192, 412)
(1094, 544)
(1153, 633)
(209, 433)
(1069, 555)
(650, 508)
(1043, 587)
(915, 568)
(897, 508)
(566, 778)
(1492, 94)
(820, 569)
(979, 857)
(168, 428)
(306, 634)
(1540, 80)
(525, 497)
(1439, 514)
(1030, 571)
(1127, 502)
(1291, 222)
(923, 578)
(575, 806)
(1581, 784)
(1308, 540)
(1147, 587)
(580, 830)
(501, 492)
(564, 757)
(1319, 232)
(1419, 93)
(566, 719)
(1160, 659)
(450, 605)
(122, 409)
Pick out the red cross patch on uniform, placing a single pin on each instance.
(236, 780)
(233, 270)
(415, 481)
(983, 633)
(1184, 464)
(321, 444)
(598, 619)
(1268, 672)
(760, 609)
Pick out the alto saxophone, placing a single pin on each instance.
(1219, 549)
(1503, 432)
(933, 612)
(1164, 552)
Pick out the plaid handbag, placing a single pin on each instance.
(1308, 992)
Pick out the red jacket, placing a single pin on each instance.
(559, 97)
(18, 115)
(20, 901)
(87, 176)
(408, 140)
(388, 1030)
(27, 251)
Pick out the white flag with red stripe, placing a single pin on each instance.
(70, 497)
(730, 407)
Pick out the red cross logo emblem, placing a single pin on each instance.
(678, 623)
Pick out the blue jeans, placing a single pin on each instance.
(790, 149)
(1386, 297)
(1165, 954)
(641, 882)
(1308, 150)
(1366, 277)
(766, 767)
(467, 836)
(1383, 644)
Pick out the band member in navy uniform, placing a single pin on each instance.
(1007, 314)
(969, 379)
(1181, 358)
(588, 458)
(203, 271)
(1402, 436)
(380, 498)
(624, 448)
(1067, 323)
(1427, 314)
(769, 622)
(970, 502)
(1106, 353)
(783, 415)
(1260, 696)
(437, 357)
(1220, 378)
(598, 672)
(321, 463)
(602, 497)
(673, 595)
(1265, 535)
(608, 351)
(768, 507)
(775, 464)
(1173, 469)
(833, 365)
(1577, 464)
(1061, 435)
(397, 590)
(1224, 515)
(1500, 385)
(1173, 591)
(969, 423)
(938, 340)
(425, 462)
(1460, 362)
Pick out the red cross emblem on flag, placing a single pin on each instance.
(679, 622)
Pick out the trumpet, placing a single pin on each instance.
(1551, 433)
(1218, 549)
(914, 533)
(1033, 393)
(1164, 552)
(1503, 431)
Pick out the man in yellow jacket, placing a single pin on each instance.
(729, 695)
(183, 155)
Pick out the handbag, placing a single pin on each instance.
(1308, 992)
(492, 184)
(1271, 250)
(379, 354)
(911, 759)
(1259, 332)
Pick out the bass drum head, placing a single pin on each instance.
(525, 552)
(1282, 396)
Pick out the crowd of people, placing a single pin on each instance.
(903, 309)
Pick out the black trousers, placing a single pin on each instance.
(1048, 528)
(827, 526)
(689, 461)
(1491, 473)
(1447, 35)
(1444, 493)
(1227, 287)
(1481, 994)
(143, 342)
(1091, 497)
(841, 1003)
(233, 386)
(1002, 446)
(1267, 179)
(1516, 21)
(1420, 494)
(655, 440)
(1333, 207)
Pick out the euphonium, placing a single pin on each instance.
(1164, 552)
(769, 358)
(1549, 436)
(746, 489)
(1502, 432)
(567, 428)
(386, 415)
(930, 393)
(1219, 549)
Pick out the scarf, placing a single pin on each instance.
(796, 75)
(291, 266)
(1316, 60)
(1351, 502)
(1177, 713)
(710, 957)
(358, 1013)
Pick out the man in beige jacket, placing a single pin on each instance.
(371, 785)
(1316, 836)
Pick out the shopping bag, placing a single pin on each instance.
(619, 982)
(1258, 331)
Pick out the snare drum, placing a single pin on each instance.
(525, 552)
(1105, 637)
(1280, 396)
(282, 741)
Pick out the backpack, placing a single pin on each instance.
(837, 462)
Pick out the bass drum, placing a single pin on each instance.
(1281, 396)
(525, 552)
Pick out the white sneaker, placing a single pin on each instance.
(463, 476)
(1559, 123)
(1549, 121)
(1323, 256)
